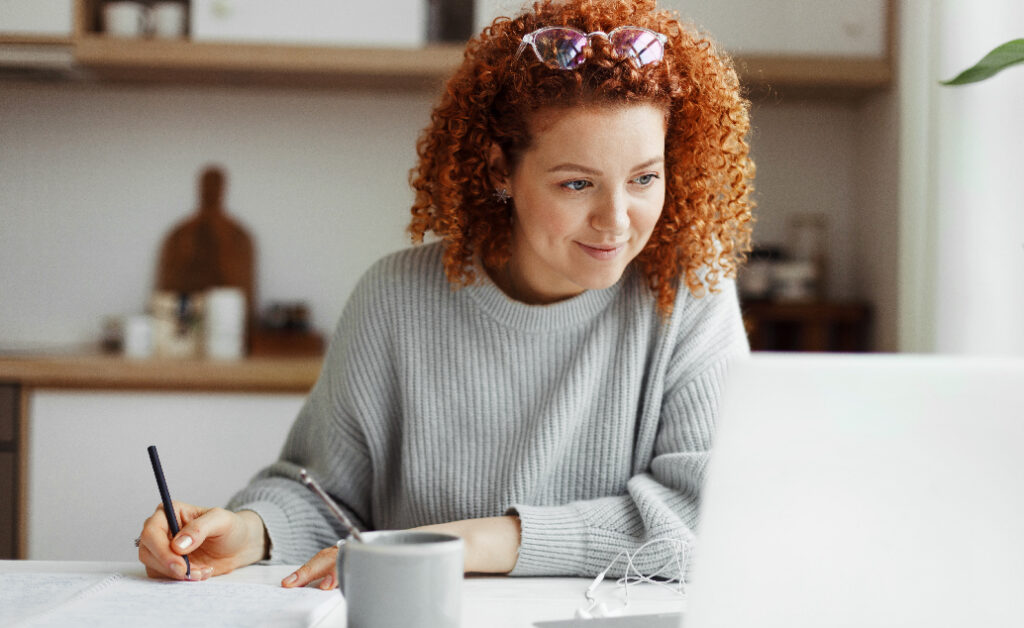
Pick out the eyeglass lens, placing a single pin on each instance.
(640, 45)
(563, 47)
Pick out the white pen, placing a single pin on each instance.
(308, 480)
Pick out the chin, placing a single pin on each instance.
(602, 281)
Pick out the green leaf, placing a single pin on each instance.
(1010, 53)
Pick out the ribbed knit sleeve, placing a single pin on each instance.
(327, 440)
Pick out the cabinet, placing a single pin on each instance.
(74, 432)
(826, 29)
(814, 326)
(87, 461)
(10, 417)
(36, 19)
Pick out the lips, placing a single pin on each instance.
(602, 251)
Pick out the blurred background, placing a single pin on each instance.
(889, 211)
(881, 195)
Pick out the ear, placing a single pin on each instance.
(498, 168)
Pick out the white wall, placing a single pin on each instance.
(979, 206)
(92, 179)
(806, 157)
(963, 283)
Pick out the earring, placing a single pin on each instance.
(502, 196)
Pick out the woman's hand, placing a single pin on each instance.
(491, 546)
(216, 541)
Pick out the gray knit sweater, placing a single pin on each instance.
(590, 418)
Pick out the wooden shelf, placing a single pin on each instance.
(844, 78)
(99, 372)
(94, 57)
(155, 61)
(148, 61)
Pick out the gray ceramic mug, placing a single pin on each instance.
(402, 578)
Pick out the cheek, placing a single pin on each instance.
(547, 220)
(647, 218)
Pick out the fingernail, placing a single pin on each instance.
(201, 574)
(328, 583)
(183, 542)
(178, 569)
(290, 580)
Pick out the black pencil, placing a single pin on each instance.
(165, 495)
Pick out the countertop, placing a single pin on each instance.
(104, 372)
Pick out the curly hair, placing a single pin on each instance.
(704, 229)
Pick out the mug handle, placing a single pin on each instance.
(339, 564)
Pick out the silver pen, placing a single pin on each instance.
(308, 480)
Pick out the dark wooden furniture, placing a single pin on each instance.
(10, 419)
(810, 326)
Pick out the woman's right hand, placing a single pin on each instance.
(216, 541)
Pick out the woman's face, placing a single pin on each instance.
(587, 195)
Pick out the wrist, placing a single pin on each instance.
(492, 544)
(257, 542)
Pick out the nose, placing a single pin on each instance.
(612, 214)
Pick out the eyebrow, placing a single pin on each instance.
(587, 170)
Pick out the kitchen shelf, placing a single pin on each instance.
(156, 61)
(92, 57)
(98, 58)
(102, 372)
(153, 62)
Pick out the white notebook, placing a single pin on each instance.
(85, 600)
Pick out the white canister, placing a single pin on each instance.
(167, 20)
(224, 325)
(124, 19)
(795, 281)
(138, 336)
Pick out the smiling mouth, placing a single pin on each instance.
(602, 252)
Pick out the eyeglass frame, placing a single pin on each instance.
(529, 39)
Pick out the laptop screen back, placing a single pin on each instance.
(864, 491)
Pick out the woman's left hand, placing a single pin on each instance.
(491, 546)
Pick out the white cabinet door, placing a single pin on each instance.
(90, 483)
(792, 27)
(855, 28)
(36, 17)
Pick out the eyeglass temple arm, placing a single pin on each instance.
(526, 41)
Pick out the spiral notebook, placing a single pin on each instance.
(86, 600)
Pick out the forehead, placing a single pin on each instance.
(608, 130)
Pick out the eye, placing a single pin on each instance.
(646, 179)
(576, 185)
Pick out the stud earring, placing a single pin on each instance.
(502, 196)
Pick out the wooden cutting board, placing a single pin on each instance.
(208, 249)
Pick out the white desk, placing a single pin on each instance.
(492, 602)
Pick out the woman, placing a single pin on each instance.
(543, 380)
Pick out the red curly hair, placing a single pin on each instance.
(704, 230)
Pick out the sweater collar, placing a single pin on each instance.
(568, 313)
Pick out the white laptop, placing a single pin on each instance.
(864, 491)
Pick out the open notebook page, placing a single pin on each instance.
(116, 599)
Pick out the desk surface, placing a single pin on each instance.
(496, 602)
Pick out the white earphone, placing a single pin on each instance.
(596, 608)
